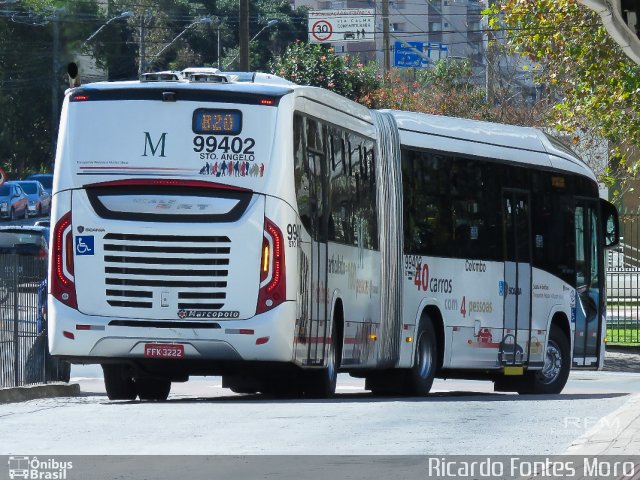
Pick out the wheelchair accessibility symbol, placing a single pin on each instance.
(84, 245)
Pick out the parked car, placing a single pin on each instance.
(31, 244)
(13, 201)
(46, 179)
(39, 199)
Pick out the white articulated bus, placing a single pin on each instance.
(275, 234)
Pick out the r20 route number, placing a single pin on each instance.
(236, 145)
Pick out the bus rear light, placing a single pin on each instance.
(272, 269)
(62, 281)
(266, 258)
(262, 340)
(68, 335)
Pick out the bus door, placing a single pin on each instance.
(318, 328)
(586, 308)
(515, 289)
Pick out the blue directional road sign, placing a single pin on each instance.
(406, 56)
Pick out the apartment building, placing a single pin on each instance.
(451, 28)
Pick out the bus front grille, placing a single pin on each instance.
(140, 269)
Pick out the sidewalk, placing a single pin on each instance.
(619, 432)
(32, 392)
(616, 434)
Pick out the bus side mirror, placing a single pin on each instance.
(610, 224)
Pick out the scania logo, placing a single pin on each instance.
(80, 229)
(505, 290)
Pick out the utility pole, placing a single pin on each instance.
(55, 83)
(142, 65)
(219, 22)
(489, 79)
(244, 35)
(385, 36)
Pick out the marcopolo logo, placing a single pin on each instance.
(34, 468)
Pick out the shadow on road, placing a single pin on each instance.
(366, 397)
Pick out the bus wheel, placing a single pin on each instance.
(421, 375)
(153, 388)
(322, 383)
(118, 384)
(557, 364)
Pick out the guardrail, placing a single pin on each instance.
(24, 355)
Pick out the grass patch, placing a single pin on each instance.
(623, 336)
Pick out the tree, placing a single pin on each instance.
(444, 89)
(27, 77)
(312, 64)
(597, 86)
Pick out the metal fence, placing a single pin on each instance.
(623, 283)
(24, 356)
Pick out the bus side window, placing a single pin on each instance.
(301, 171)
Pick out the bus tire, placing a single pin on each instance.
(118, 384)
(153, 388)
(422, 373)
(322, 383)
(557, 364)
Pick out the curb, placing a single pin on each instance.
(623, 348)
(32, 392)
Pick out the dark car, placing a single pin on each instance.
(31, 246)
(46, 179)
(39, 199)
(13, 201)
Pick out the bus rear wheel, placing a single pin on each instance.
(555, 371)
(118, 383)
(322, 383)
(150, 388)
(421, 376)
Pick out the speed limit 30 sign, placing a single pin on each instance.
(346, 25)
(321, 31)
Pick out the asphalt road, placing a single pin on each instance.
(460, 417)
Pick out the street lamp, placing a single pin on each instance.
(122, 16)
(269, 24)
(203, 20)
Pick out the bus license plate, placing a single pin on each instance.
(163, 350)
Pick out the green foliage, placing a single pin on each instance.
(454, 73)
(27, 75)
(27, 78)
(444, 89)
(598, 86)
(312, 64)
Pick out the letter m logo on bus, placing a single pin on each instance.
(148, 142)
